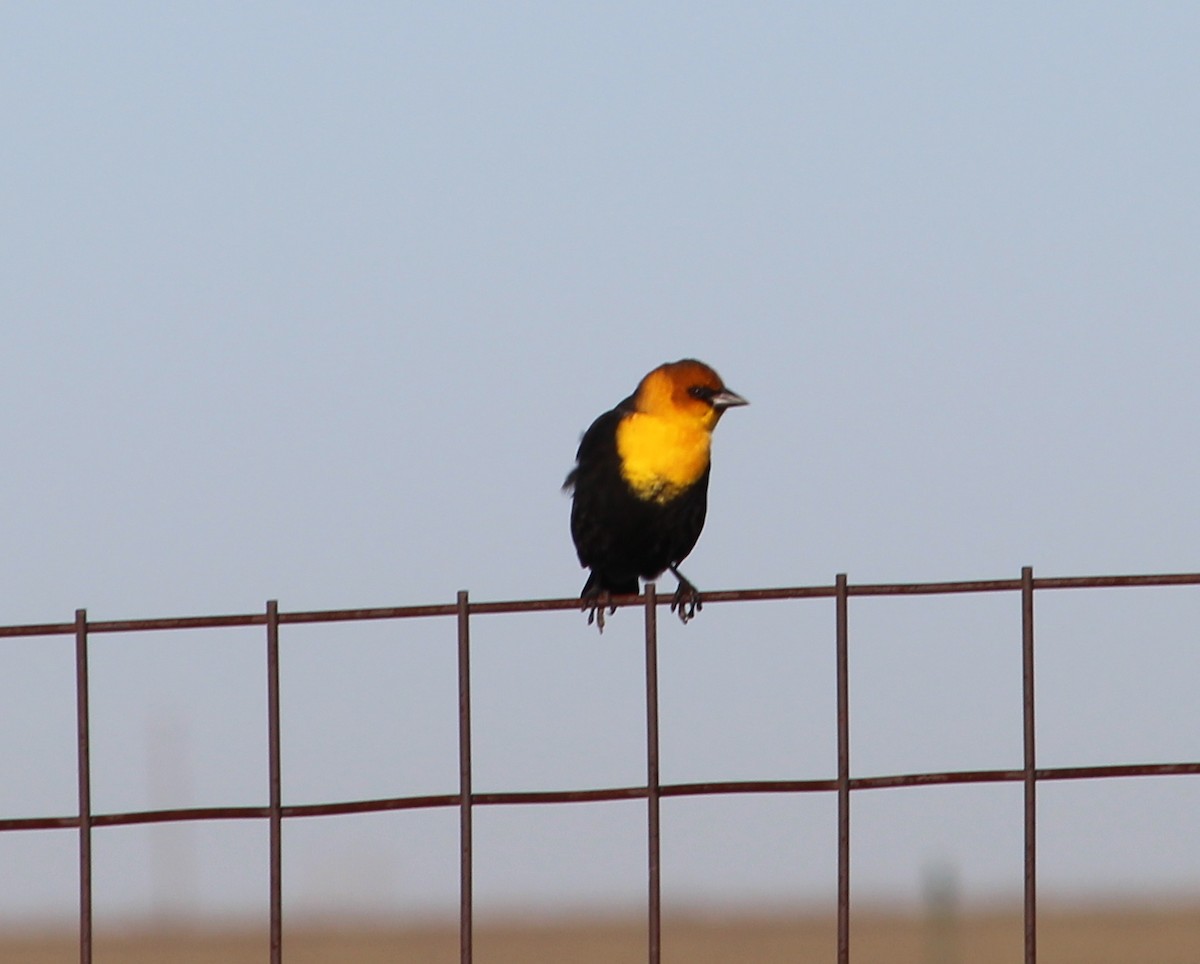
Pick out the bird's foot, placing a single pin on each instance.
(594, 604)
(687, 601)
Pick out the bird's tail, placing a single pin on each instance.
(597, 583)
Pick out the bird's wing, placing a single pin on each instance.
(599, 443)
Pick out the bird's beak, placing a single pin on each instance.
(726, 399)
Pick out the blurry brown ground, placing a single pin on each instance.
(1110, 935)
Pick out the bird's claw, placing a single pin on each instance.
(687, 601)
(594, 606)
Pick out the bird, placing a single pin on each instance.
(640, 484)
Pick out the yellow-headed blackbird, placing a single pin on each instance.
(641, 483)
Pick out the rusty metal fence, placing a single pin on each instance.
(465, 800)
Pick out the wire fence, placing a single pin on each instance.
(653, 791)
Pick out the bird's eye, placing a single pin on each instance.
(702, 392)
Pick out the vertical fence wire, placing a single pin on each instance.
(274, 782)
(466, 885)
(843, 777)
(1030, 768)
(654, 896)
(83, 756)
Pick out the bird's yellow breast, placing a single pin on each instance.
(660, 457)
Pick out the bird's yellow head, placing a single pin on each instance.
(685, 391)
(663, 444)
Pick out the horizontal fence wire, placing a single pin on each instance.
(843, 784)
(602, 795)
(572, 603)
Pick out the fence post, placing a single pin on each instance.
(843, 777)
(466, 886)
(1030, 766)
(274, 782)
(652, 782)
(83, 750)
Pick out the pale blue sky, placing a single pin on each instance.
(311, 302)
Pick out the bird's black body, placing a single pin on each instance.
(617, 535)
